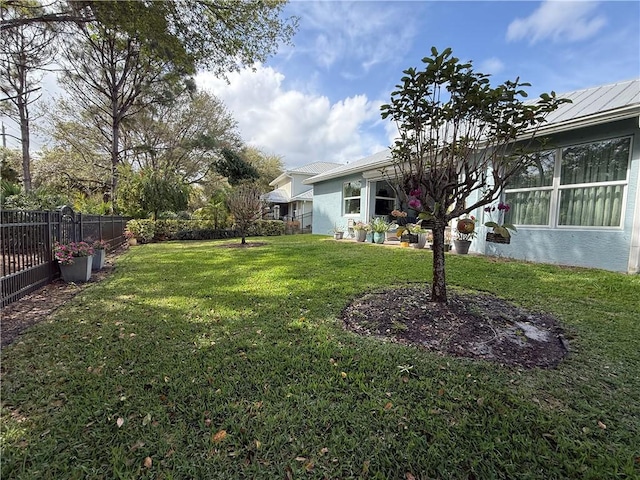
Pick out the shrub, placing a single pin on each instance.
(265, 228)
(205, 234)
(142, 230)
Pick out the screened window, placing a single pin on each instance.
(385, 200)
(587, 188)
(351, 197)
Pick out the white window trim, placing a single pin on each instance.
(344, 200)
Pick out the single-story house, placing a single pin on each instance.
(291, 200)
(580, 206)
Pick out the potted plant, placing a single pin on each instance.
(419, 235)
(337, 231)
(99, 254)
(379, 227)
(361, 229)
(131, 238)
(500, 231)
(75, 259)
(465, 233)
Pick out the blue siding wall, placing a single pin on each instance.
(608, 249)
(327, 204)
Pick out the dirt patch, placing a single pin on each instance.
(472, 325)
(37, 306)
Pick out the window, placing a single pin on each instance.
(530, 190)
(581, 185)
(593, 178)
(385, 199)
(351, 197)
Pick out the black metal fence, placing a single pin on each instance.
(27, 239)
(298, 224)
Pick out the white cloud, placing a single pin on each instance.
(491, 66)
(568, 21)
(301, 127)
(363, 34)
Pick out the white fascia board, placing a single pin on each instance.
(282, 176)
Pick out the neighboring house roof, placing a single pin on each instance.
(276, 196)
(591, 106)
(304, 196)
(310, 169)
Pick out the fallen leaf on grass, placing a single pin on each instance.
(218, 437)
(409, 476)
(136, 446)
(601, 425)
(388, 406)
(120, 422)
(146, 420)
(148, 462)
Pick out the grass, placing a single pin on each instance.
(193, 361)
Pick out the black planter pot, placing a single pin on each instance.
(495, 238)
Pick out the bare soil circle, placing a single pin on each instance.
(472, 325)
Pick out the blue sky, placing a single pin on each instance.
(319, 100)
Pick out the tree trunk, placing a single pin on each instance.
(115, 145)
(244, 240)
(24, 140)
(439, 286)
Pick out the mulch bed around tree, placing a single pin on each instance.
(472, 325)
(241, 245)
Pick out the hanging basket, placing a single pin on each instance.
(466, 225)
(495, 238)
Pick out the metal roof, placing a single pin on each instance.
(380, 159)
(304, 196)
(594, 106)
(315, 168)
(310, 169)
(276, 196)
(591, 106)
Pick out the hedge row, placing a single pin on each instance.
(158, 230)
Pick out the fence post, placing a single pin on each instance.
(79, 239)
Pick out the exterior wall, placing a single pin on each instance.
(296, 184)
(605, 248)
(327, 204)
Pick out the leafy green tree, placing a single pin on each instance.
(460, 141)
(215, 210)
(149, 192)
(217, 35)
(269, 167)
(234, 167)
(184, 134)
(246, 207)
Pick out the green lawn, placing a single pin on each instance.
(193, 361)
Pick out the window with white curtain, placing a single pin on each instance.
(581, 185)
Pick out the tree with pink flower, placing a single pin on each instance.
(460, 141)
